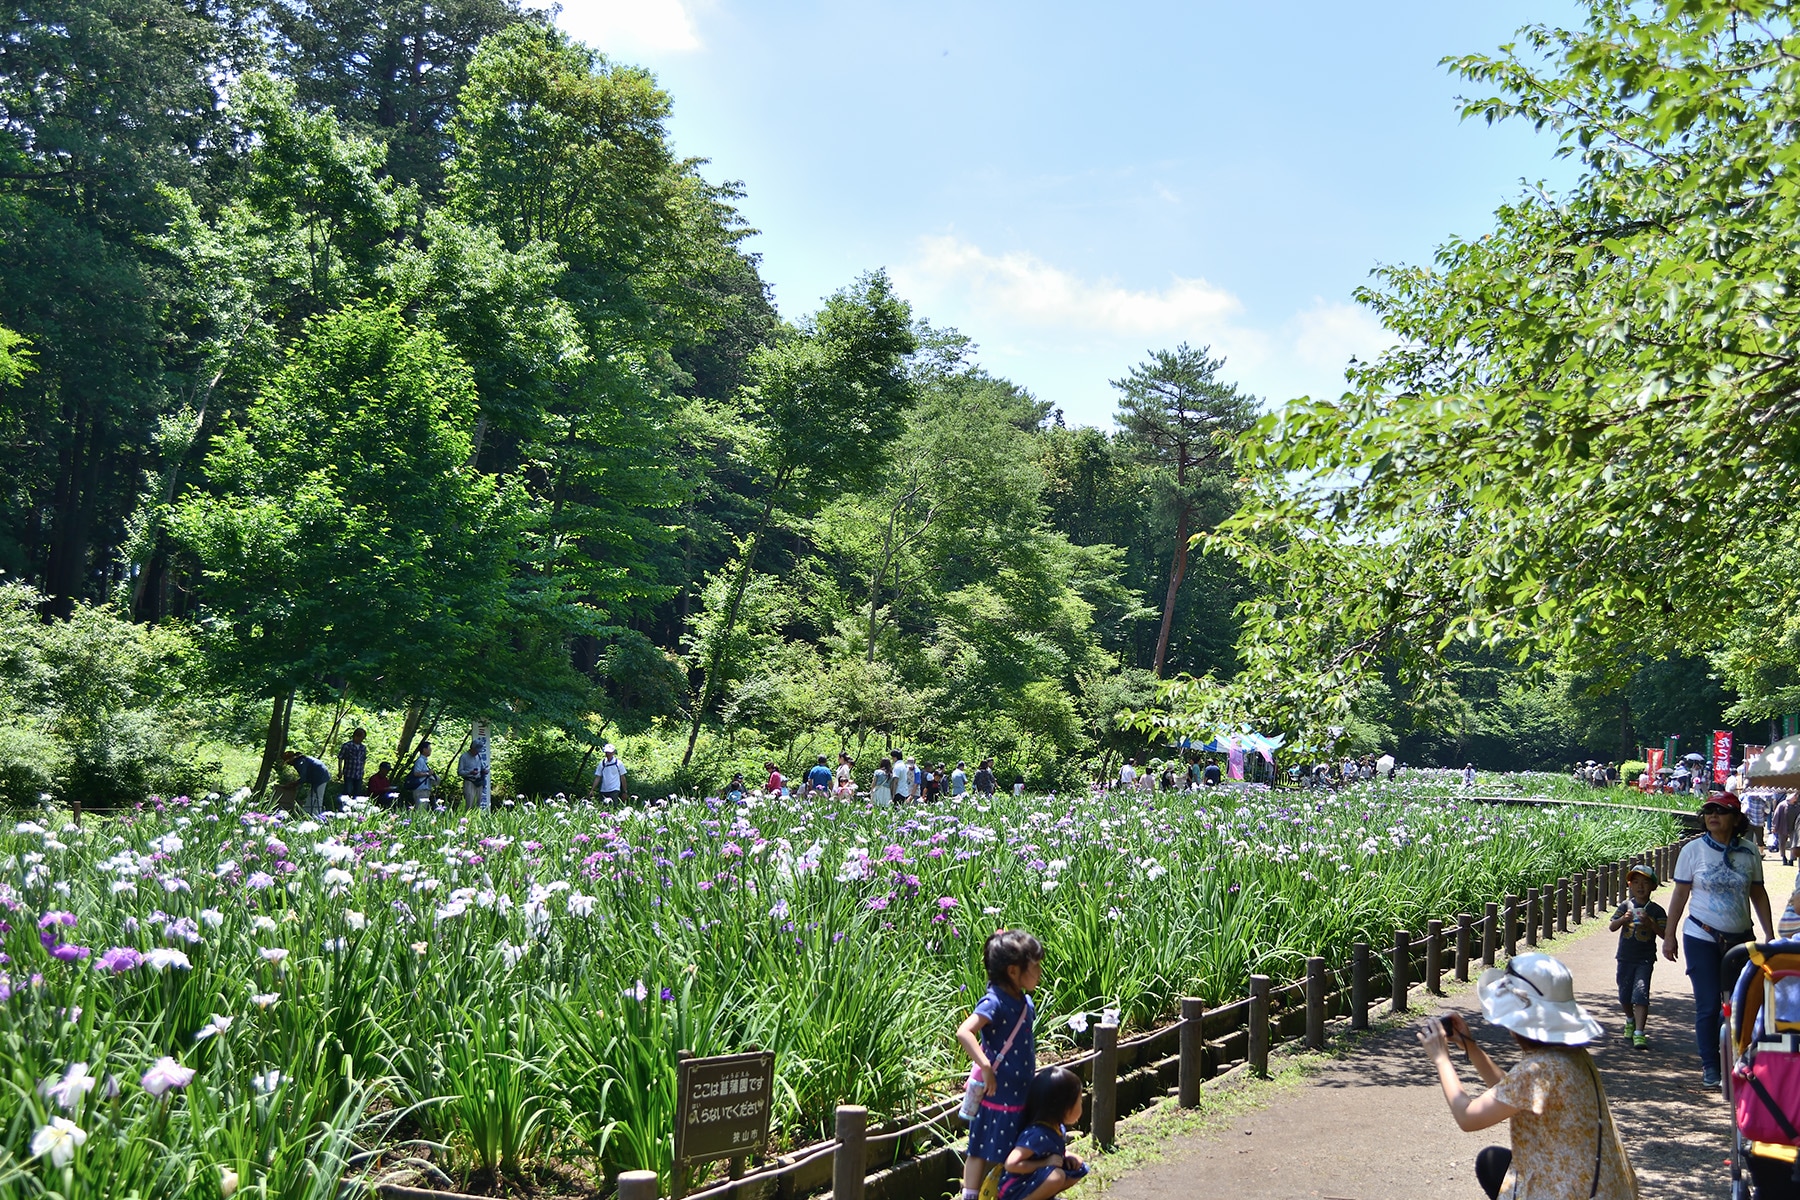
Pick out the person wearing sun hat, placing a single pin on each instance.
(1640, 923)
(1564, 1143)
(1718, 880)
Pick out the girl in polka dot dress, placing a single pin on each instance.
(998, 1039)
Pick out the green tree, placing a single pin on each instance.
(390, 71)
(1586, 435)
(824, 404)
(103, 104)
(342, 535)
(558, 150)
(1181, 420)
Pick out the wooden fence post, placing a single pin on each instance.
(1359, 985)
(1259, 1025)
(1193, 1050)
(1490, 933)
(1315, 1003)
(850, 1160)
(637, 1185)
(1465, 923)
(1402, 968)
(1534, 908)
(1593, 897)
(1562, 905)
(1434, 957)
(1511, 938)
(1106, 1082)
(1578, 901)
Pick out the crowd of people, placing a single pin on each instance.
(898, 779)
(303, 781)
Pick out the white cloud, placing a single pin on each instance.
(630, 26)
(1029, 291)
(1329, 335)
(1065, 336)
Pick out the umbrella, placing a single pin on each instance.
(1699, 758)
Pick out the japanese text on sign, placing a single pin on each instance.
(724, 1106)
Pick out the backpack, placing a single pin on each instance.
(1766, 1031)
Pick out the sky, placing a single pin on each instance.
(1076, 185)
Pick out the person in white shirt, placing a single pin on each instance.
(959, 781)
(609, 777)
(906, 784)
(423, 778)
(1128, 773)
(1469, 776)
(471, 770)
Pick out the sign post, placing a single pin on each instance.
(722, 1110)
(479, 743)
(1721, 755)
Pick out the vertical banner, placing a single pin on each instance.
(479, 743)
(1653, 776)
(1721, 755)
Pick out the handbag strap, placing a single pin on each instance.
(1600, 1123)
(1017, 1025)
(1781, 1118)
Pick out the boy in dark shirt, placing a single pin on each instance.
(1640, 922)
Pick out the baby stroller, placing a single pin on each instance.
(1760, 1047)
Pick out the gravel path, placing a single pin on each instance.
(1373, 1126)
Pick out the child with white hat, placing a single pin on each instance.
(1563, 1139)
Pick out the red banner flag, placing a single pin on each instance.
(1721, 755)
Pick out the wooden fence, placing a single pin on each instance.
(919, 1158)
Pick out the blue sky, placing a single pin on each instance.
(1074, 185)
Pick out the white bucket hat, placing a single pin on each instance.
(1534, 996)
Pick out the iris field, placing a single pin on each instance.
(200, 998)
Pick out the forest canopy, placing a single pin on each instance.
(388, 363)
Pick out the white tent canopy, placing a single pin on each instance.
(1777, 766)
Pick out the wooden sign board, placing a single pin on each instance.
(723, 1106)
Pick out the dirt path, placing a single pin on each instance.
(1373, 1125)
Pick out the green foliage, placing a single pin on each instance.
(1581, 441)
(390, 71)
(342, 536)
(92, 707)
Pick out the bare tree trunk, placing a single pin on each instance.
(415, 713)
(280, 714)
(1175, 573)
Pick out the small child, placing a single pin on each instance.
(998, 1039)
(1642, 921)
(1040, 1164)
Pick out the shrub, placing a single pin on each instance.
(540, 763)
(29, 762)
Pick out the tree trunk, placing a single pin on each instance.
(1176, 571)
(415, 713)
(280, 714)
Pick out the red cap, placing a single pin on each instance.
(1724, 800)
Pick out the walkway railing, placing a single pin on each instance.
(919, 1157)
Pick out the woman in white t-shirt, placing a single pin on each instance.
(1718, 880)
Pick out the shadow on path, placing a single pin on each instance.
(1374, 1126)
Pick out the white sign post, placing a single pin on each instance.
(479, 736)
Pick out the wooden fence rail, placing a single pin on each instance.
(895, 1162)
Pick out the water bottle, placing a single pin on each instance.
(973, 1091)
